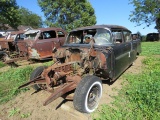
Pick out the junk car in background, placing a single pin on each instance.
(89, 56)
(8, 46)
(152, 37)
(38, 44)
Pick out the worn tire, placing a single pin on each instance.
(87, 94)
(35, 73)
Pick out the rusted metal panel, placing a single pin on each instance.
(4, 45)
(22, 46)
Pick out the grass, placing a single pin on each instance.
(150, 48)
(13, 112)
(10, 80)
(137, 100)
(13, 78)
(26, 115)
(140, 98)
(16, 111)
(2, 64)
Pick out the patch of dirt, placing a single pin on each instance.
(5, 68)
(32, 104)
(20, 64)
(137, 66)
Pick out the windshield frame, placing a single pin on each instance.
(79, 37)
(32, 34)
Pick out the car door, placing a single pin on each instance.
(137, 43)
(121, 52)
(46, 42)
(131, 50)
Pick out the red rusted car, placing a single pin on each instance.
(89, 56)
(8, 47)
(38, 44)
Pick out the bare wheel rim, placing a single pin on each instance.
(93, 97)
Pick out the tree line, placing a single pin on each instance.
(71, 14)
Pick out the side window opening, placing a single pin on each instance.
(19, 37)
(60, 34)
(41, 36)
(117, 36)
(49, 34)
(127, 36)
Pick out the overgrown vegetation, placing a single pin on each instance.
(13, 78)
(140, 98)
(10, 80)
(1, 64)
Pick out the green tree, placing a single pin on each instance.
(146, 11)
(68, 14)
(29, 18)
(9, 14)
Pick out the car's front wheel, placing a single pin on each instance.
(88, 94)
(37, 72)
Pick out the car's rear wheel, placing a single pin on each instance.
(88, 94)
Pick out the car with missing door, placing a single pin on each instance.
(37, 44)
(8, 45)
(89, 56)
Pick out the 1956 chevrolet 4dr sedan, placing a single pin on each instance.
(89, 56)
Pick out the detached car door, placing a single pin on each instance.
(46, 42)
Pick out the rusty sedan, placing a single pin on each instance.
(89, 56)
(38, 44)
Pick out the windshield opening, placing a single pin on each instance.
(30, 36)
(99, 36)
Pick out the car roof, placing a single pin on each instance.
(100, 26)
(152, 33)
(50, 28)
(17, 32)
